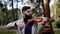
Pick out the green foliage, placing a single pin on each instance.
(6, 16)
(58, 12)
(55, 9)
(58, 23)
(54, 25)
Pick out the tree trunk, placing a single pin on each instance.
(47, 14)
(12, 12)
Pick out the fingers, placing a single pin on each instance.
(21, 26)
(44, 18)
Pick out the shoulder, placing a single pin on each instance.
(20, 21)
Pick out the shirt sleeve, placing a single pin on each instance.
(20, 22)
(12, 24)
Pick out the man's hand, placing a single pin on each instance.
(44, 20)
(20, 25)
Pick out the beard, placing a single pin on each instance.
(28, 17)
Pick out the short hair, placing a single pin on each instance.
(25, 8)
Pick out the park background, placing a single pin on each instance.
(10, 10)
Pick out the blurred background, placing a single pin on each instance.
(11, 10)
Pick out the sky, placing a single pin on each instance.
(20, 5)
(52, 1)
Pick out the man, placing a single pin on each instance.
(26, 26)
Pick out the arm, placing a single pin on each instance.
(12, 24)
(20, 24)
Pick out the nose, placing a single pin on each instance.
(29, 12)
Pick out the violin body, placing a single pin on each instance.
(37, 20)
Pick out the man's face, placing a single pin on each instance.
(28, 12)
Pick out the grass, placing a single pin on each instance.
(7, 32)
(3, 30)
(14, 32)
(54, 25)
(57, 32)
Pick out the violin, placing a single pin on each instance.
(37, 20)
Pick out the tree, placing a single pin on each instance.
(37, 9)
(1, 6)
(12, 12)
